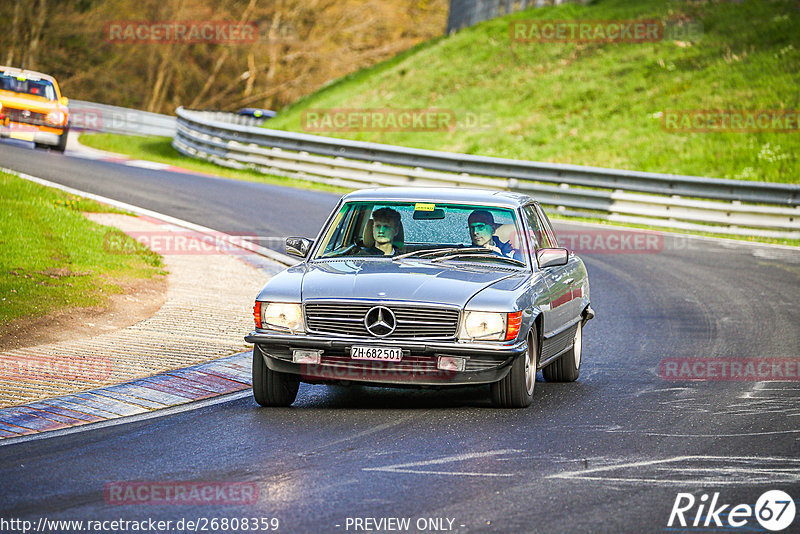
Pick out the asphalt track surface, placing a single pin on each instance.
(608, 453)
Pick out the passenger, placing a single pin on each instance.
(481, 231)
(386, 227)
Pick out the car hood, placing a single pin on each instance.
(397, 280)
(32, 102)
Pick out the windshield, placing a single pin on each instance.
(21, 84)
(440, 232)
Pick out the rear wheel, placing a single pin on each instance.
(516, 389)
(567, 367)
(271, 388)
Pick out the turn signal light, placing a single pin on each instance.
(513, 325)
(257, 313)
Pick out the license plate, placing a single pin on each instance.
(360, 352)
(21, 136)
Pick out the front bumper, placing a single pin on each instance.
(485, 362)
(44, 135)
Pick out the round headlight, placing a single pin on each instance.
(56, 118)
(282, 315)
(484, 325)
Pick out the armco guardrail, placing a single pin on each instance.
(734, 207)
(465, 13)
(90, 116)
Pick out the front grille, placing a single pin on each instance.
(413, 322)
(16, 115)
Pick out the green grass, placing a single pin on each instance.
(595, 103)
(52, 257)
(159, 149)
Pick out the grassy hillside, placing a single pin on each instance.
(596, 103)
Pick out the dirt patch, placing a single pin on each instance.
(138, 300)
(61, 272)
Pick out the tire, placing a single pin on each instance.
(516, 389)
(271, 388)
(60, 147)
(62, 141)
(567, 367)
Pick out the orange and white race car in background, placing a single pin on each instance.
(32, 108)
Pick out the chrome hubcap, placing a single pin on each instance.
(577, 347)
(530, 371)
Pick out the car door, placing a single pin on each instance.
(567, 280)
(537, 239)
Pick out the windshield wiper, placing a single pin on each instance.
(424, 253)
(473, 254)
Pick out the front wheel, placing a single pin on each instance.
(62, 141)
(60, 147)
(567, 367)
(516, 389)
(271, 388)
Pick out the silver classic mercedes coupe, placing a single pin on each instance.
(424, 287)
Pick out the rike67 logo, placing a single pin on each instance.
(774, 511)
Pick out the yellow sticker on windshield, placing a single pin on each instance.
(424, 207)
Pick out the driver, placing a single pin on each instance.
(481, 231)
(385, 227)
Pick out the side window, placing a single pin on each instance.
(548, 228)
(49, 92)
(343, 230)
(536, 237)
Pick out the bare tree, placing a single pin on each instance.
(302, 45)
(37, 25)
(16, 21)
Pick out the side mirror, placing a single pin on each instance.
(298, 246)
(552, 257)
(64, 101)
